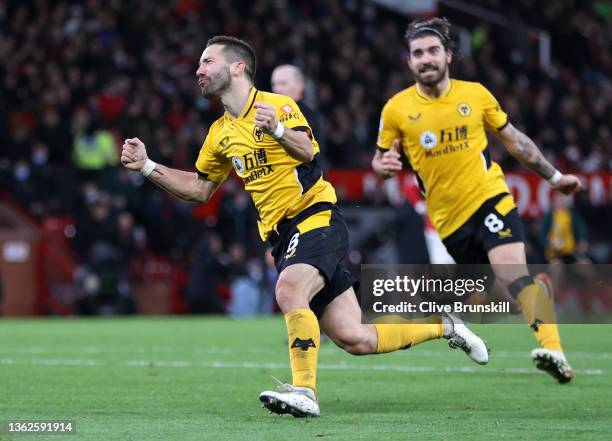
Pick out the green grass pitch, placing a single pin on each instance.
(199, 378)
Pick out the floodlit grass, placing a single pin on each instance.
(199, 378)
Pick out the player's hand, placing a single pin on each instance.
(391, 160)
(569, 184)
(265, 117)
(133, 154)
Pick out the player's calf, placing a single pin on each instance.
(356, 340)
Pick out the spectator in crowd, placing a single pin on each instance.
(289, 80)
(247, 290)
(565, 242)
(93, 148)
(76, 75)
(564, 232)
(207, 271)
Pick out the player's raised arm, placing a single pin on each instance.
(387, 164)
(188, 186)
(297, 144)
(524, 150)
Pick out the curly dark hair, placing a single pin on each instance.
(439, 27)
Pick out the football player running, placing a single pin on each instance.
(265, 138)
(440, 124)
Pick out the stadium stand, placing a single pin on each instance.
(79, 77)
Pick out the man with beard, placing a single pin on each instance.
(440, 123)
(270, 145)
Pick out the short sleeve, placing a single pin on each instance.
(494, 117)
(387, 129)
(211, 164)
(289, 113)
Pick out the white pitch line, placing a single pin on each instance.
(386, 367)
(50, 362)
(212, 350)
(257, 365)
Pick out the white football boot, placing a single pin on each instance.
(550, 361)
(459, 336)
(553, 363)
(298, 401)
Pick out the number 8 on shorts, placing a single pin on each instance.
(493, 223)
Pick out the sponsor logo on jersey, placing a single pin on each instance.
(257, 163)
(288, 116)
(453, 134)
(287, 108)
(450, 139)
(256, 174)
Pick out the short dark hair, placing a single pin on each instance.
(236, 49)
(438, 27)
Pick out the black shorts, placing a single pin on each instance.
(317, 236)
(494, 223)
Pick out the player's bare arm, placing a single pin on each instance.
(522, 148)
(297, 144)
(387, 164)
(188, 186)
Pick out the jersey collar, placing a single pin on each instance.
(249, 104)
(247, 107)
(444, 94)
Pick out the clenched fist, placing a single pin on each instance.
(134, 154)
(569, 184)
(265, 117)
(390, 161)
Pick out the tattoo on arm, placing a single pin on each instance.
(525, 151)
(158, 171)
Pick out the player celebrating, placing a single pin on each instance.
(269, 143)
(440, 124)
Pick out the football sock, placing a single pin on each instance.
(407, 333)
(304, 341)
(539, 311)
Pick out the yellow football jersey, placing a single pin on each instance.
(445, 141)
(280, 186)
(561, 238)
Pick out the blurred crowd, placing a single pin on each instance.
(80, 76)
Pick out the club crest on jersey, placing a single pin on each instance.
(464, 109)
(428, 139)
(258, 134)
(238, 165)
(287, 108)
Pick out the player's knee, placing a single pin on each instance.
(288, 296)
(359, 349)
(356, 342)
